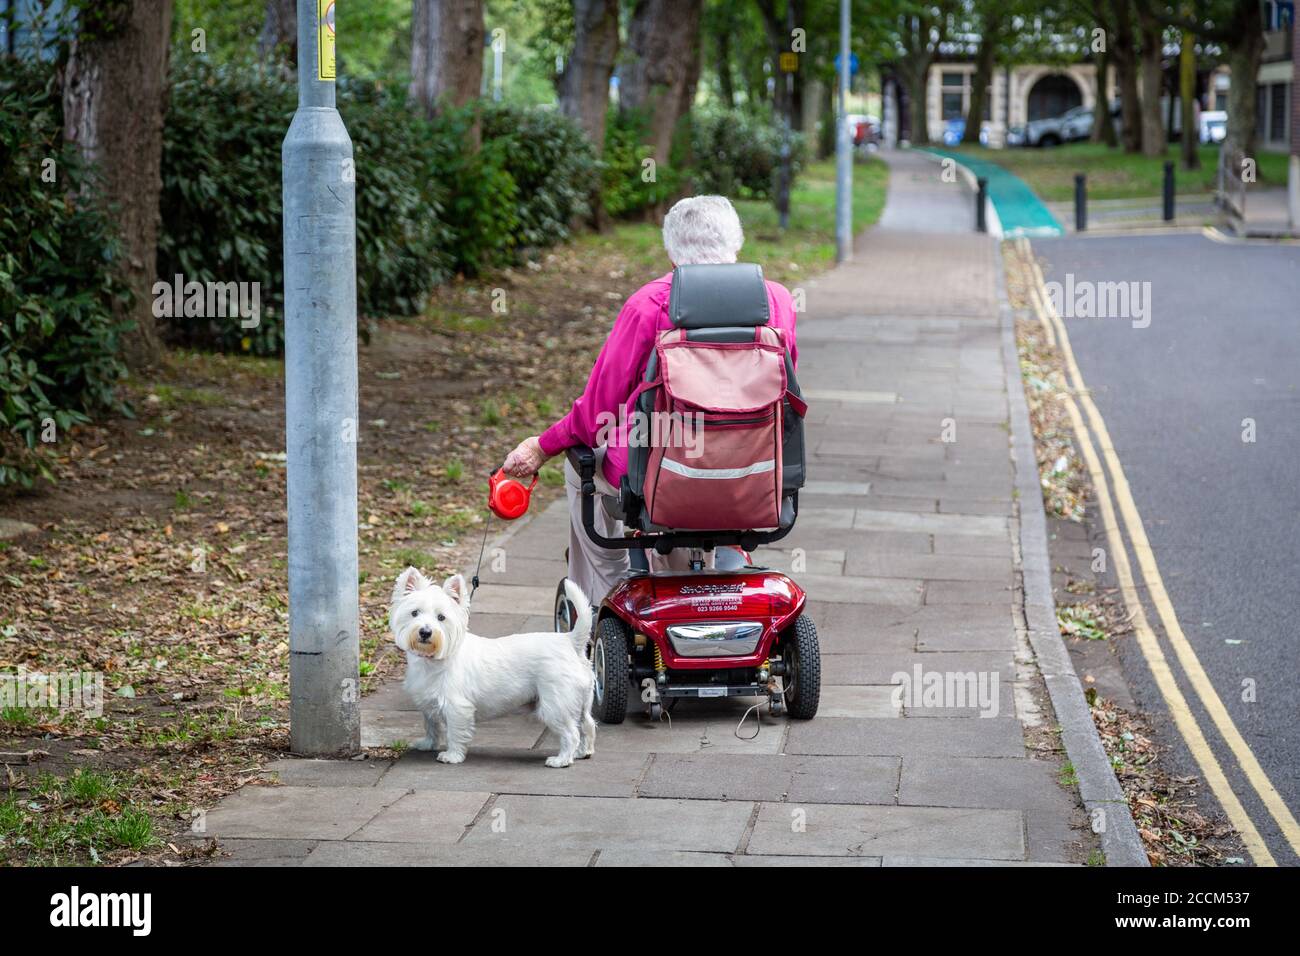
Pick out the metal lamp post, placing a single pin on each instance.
(320, 371)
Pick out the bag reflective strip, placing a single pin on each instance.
(686, 471)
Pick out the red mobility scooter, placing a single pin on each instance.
(733, 629)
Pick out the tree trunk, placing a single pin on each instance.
(114, 99)
(446, 53)
(989, 40)
(584, 85)
(1153, 124)
(278, 40)
(1243, 60)
(917, 78)
(1187, 99)
(1125, 53)
(663, 38)
(726, 83)
(1103, 129)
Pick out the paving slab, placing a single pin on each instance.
(298, 813)
(982, 525)
(958, 637)
(357, 853)
(271, 852)
(301, 772)
(425, 816)
(955, 736)
(894, 861)
(996, 594)
(600, 823)
(836, 830)
(692, 727)
(998, 546)
(858, 700)
(881, 668)
(980, 703)
(607, 773)
(930, 567)
(516, 599)
(842, 589)
(651, 857)
(1017, 783)
(773, 778)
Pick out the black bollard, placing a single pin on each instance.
(1169, 192)
(1080, 202)
(981, 199)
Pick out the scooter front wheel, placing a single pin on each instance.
(609, 661)
(801, 653)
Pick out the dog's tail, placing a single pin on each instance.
(581, 632)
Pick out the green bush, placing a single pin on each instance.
(428, 206)
(221, 198)
(220, 202)
(624, 185)
(59, 337)
(482, 198)
(553, 167)
(737, 154)
(404, 245)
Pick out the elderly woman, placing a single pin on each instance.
(701, 229)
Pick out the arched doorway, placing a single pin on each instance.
(1052, 96)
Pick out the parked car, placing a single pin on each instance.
(1072, 125)
(1214, 126)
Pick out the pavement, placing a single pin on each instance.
(909, 543)
(1220, 510)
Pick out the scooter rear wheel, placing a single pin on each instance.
(803, 669)
(609, 660)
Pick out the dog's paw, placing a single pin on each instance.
(426, 744)
(451, 756)
(558, 761)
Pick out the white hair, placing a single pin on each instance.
(702, 229)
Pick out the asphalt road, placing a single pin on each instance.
(1223, 514)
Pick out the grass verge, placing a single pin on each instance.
(1114, 174)
(807, 246)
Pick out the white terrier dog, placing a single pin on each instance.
(456, 677)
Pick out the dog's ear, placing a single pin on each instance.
(456, 589)
(408, 581)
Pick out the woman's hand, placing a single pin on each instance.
(527, 459)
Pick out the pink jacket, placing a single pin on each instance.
(621, 365)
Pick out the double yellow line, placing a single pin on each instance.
(1183, 717)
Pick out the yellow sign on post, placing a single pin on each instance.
(325, 39)
(789, 62)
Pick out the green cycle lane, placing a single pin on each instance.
(1019, 209)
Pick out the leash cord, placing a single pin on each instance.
(758, 716)
(473, 582)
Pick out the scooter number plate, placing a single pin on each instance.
(713, 692)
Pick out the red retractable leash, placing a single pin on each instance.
(508, 499)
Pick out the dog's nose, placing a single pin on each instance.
(425, 634)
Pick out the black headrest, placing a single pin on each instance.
(709, 296)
